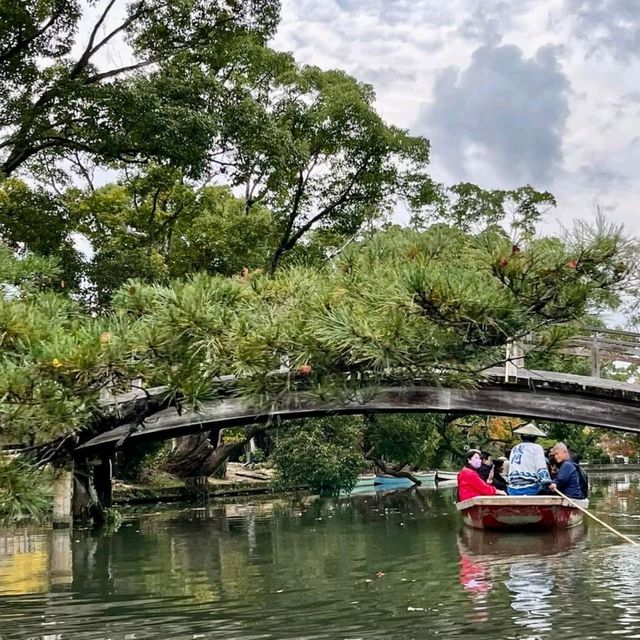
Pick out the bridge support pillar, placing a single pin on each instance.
(102, 475)
(197, 488)
(62, 494)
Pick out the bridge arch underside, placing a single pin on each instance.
(618, 413)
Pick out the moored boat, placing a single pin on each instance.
(366, 480)
(425, 477)
(442, 476)
(520, 512)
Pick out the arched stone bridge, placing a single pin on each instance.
(544, 395)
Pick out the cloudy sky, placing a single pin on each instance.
(545, 92)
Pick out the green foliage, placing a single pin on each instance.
(112, 519)
(257, 456)
(471, 208)
(23, 276)
(25, 492)
(158, 226)
(405, 439)
(324, 454)
(56, 101)
(585, 441)
(53, 358)
(437, 305)
(309, 145)
(140, 462)
(34, 219)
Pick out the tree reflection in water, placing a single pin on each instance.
(381, 566)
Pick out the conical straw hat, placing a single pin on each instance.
(529, 429)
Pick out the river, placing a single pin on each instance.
(392, 566)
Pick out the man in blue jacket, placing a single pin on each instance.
(567, 479)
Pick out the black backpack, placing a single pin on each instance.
(584, 480)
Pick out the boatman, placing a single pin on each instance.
(528, 473)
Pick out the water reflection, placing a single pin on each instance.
(531, 577)
(382, 565)
(531, 585)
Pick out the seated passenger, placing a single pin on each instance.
(567, 479)
(499, 481)
(470, 484)
(528, 473)
(486, 466)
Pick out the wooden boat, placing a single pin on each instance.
(366, 480)
(425, 477)
(441, 476)
(520, 512)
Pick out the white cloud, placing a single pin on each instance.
(403, 46)
(509, 110)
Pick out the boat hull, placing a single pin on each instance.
(520, 512)
(443, 476)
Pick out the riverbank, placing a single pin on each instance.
(239, 481)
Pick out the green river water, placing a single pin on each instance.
(389, 565)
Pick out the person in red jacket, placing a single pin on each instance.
(470, 484)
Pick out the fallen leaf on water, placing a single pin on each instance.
(379, 574)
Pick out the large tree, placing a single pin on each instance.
(439, 305)
(60, 94)
(159, 226)
(310, 145)
(471, 208)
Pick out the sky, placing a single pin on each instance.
(509, 92)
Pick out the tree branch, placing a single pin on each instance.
(21, 44)
(91, 50)
(285, 240)
(92, 38)
(344, 196)
(116, 72)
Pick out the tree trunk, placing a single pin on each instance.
(86, 504)
(132, 411)
(197, 455)
(394, 471)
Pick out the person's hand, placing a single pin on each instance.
(499, 492)
(553, 486)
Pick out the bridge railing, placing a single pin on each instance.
(605, 345)
(598, 345)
